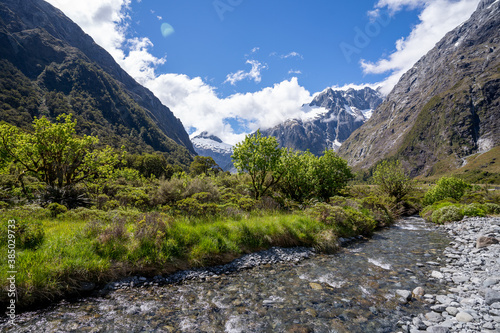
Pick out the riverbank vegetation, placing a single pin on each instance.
(86, 215)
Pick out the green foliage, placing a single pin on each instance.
(53, 153)
(392, 180)
(204, 165)
(473, 209)
(446, 187)
(297, 181)
(447, 214)
(331, 175)
(344, 221)
(260, 157)
(56, 209)
(491, 208)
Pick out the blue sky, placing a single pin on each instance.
(233, 66)
(289, 38)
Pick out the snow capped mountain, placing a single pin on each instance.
(210, 145)
(328, 120)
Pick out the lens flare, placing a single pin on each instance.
(167, 29)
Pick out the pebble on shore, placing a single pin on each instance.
(472, 276)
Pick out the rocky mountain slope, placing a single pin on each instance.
(49, 66)
(337, 113)
(212, 146)
(445, 108)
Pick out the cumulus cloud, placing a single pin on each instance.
(253, 74)
(436, 19)
(200, 109)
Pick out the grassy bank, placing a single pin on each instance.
(55, 255)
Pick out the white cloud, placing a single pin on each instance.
(159, 17)
(286, 56)
(348, 86)
(291, 71)
(106, 21)
(292, 54)
(436, 19)
(199, 108)
(253, 74)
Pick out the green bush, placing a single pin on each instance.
(491, 208)
(56, 209)
(427, 212)
(392, 180)
(446, 187)
(447, 214)
(473, 209)
(345, 222)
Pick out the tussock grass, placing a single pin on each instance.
(100, 247)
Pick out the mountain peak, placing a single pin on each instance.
(206, 135)
(335, 114)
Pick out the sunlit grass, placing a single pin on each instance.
(71, 253)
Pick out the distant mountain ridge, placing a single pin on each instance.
(57, 68)
(445, 108)
(336, 114)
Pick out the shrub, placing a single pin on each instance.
(392, 180)
(447, 214)
(491, 208)
(427, 212)
(446, 187)
(169, 191)
(192, 206)
(56, 209)
(473, 209)
(345, 222)
(132, 196)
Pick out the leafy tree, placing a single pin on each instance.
(54, 154)
(392, 180)
(331, 174)
(297, 181)
(204, 165)
(260, 157)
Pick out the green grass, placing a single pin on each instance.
(121, 243)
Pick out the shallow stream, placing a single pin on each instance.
(351, 291)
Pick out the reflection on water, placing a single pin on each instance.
(351, 291)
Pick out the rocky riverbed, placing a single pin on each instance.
(469, 272)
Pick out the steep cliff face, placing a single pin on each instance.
(39, 44)
(443, 109)
(342, 113)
